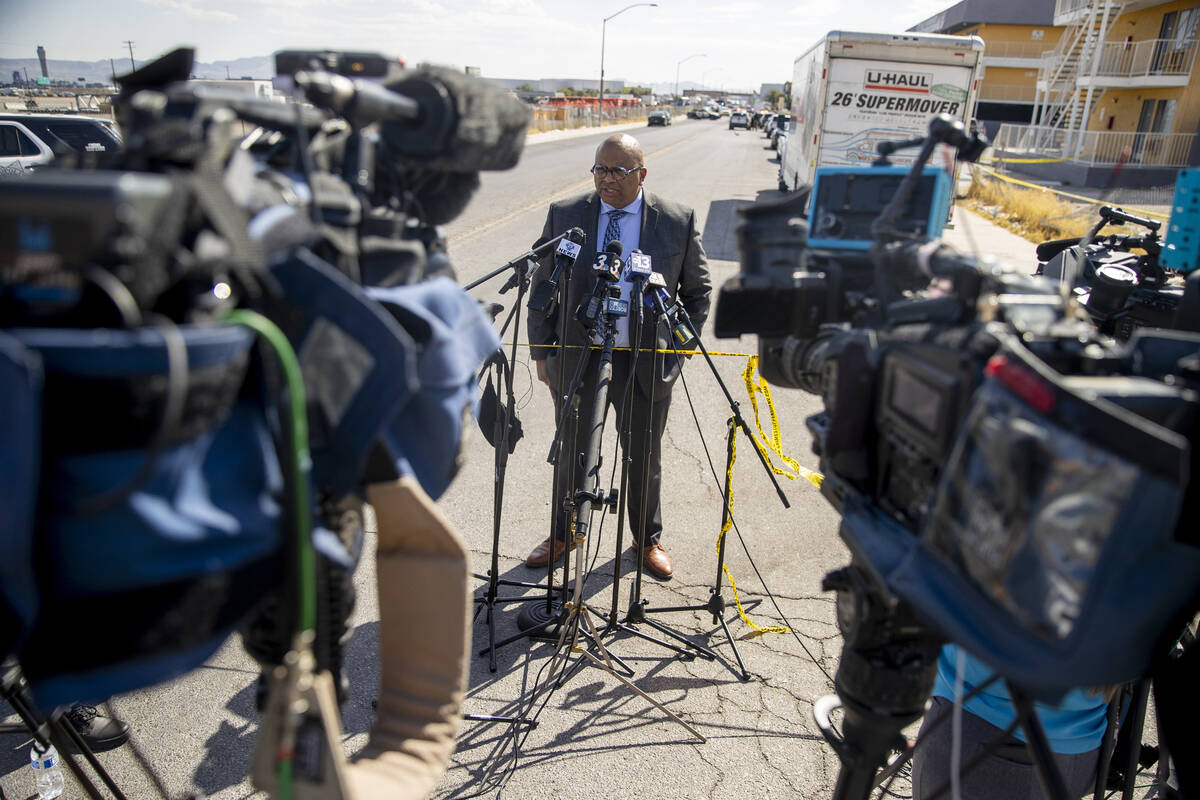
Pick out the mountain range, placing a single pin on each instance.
(260, 67)
(103, 71)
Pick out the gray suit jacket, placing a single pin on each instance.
(669, 236)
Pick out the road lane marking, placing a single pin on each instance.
(548, 199)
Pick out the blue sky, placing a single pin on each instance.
(744, 42)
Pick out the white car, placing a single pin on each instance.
(28, 141)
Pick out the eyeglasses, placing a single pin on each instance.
(601, 171)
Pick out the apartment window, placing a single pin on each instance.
(1155, 118)
(1176, 37)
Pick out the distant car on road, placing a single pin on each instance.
(658, 118)
(28, 141)
(739, 119)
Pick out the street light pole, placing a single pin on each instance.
(603, 31)
(680, 64)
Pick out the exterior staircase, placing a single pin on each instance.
(1061, 106)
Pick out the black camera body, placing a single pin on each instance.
(1118, 278)
(975, 419)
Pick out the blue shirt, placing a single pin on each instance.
(631, 239)
(1075, 725)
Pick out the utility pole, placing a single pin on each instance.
(132, 66)
(113, 66)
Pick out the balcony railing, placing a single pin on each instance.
(1030, 50)
(1070, 6)
(1149, 57)
(1004, 92)
(1094, 147)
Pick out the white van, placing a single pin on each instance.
(28, 141)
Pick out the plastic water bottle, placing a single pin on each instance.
(48, 776)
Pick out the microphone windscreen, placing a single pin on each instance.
(615, 247)
(465, 124)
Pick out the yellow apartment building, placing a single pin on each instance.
(1116, 96)
(1016, 36)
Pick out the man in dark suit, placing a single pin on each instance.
(666, 231)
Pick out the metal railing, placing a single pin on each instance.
(1032, 50)
(1007, 92)
(1062, 7)
(1148, 57)
(1094, 147)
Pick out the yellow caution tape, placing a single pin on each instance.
(776, 447)
(629, 349)
(774, 443)
(1005, 160)
(758, 629)
(1081, 198)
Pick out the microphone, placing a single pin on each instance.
(656, 298)
(544, 295)
(359, 101)
(608, 271)
(608, 264)
(640, 269)
(520, 273)
(462, 123)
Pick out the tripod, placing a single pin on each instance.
(54, 731)
(716, 605)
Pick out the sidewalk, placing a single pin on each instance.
(976, 235)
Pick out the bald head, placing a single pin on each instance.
(621, 143)
(621, 188)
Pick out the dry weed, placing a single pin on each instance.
(1036, 215)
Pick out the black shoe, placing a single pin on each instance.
(98, 731)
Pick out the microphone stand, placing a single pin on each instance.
(716, 604)
(588, 499)
(520, 260)
(635, 614)
(502, 430)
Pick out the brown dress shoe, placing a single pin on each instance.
(541, 554)
(657, 562)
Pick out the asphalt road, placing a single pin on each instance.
(595, 737)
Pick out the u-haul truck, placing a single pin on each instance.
(851, 91)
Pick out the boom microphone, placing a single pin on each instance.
(544, 295)
(462, 124)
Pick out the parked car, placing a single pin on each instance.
(28, 141)
(658, 118)
(781, 146)
(739, 119)
(778, 128)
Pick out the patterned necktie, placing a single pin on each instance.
(613, 231)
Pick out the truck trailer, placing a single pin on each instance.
(851, 91)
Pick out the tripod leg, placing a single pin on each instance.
(733, 647)
(674, 717)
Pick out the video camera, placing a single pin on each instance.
(1121, 288)
(158, 465)
(1009, 478)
